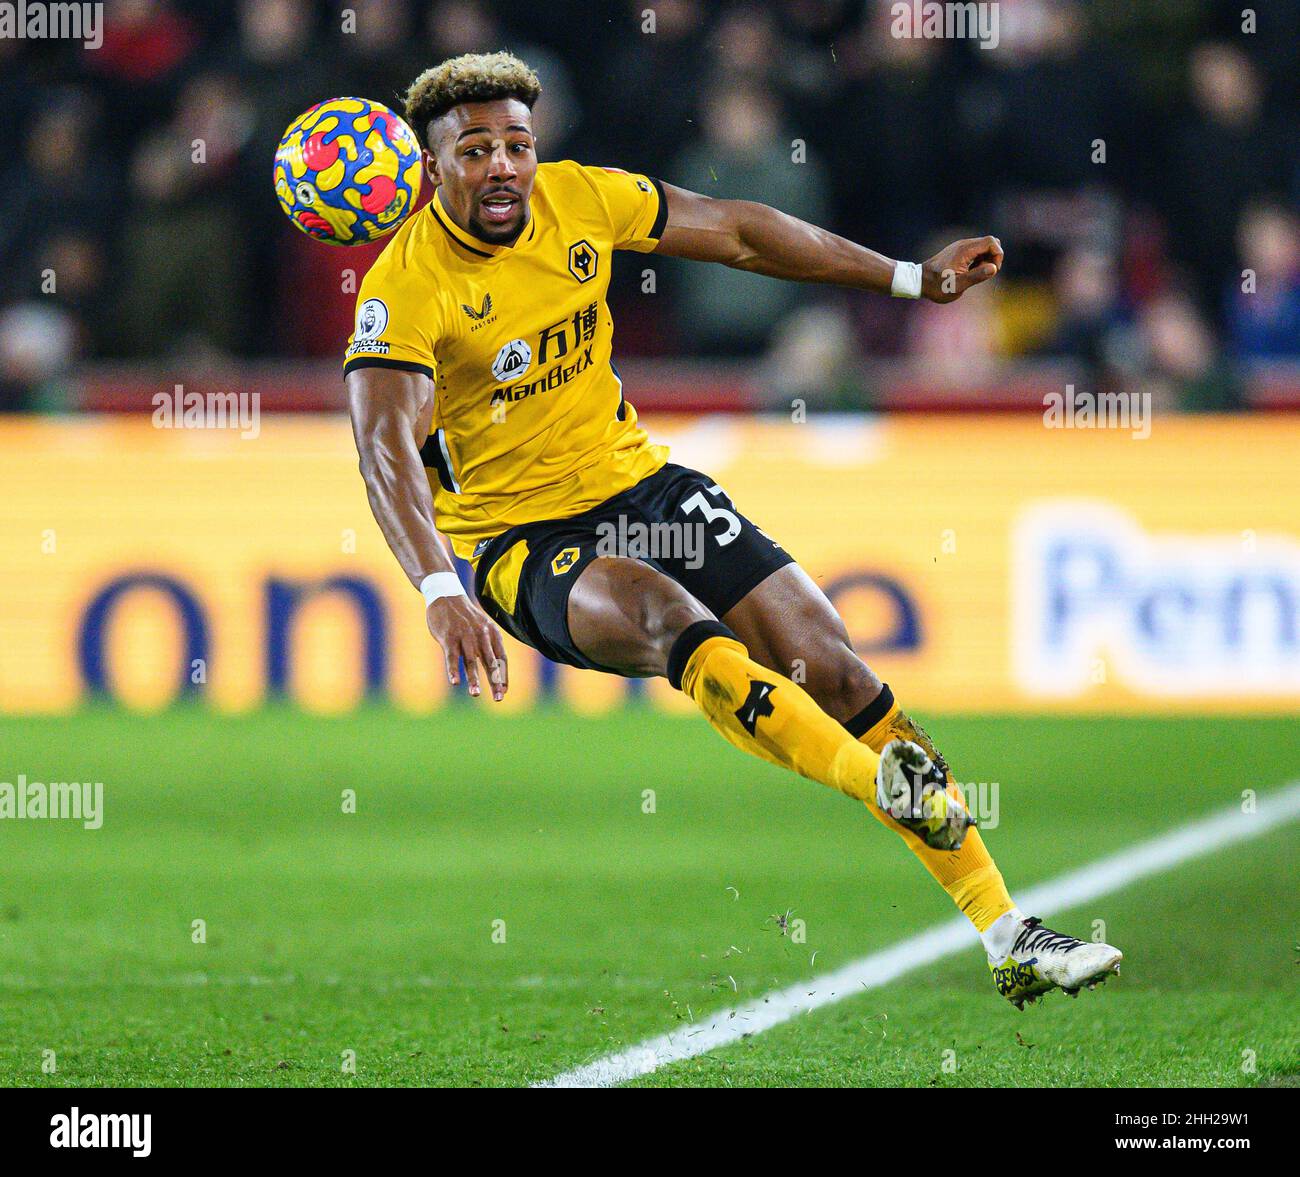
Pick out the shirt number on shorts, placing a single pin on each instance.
(697, 502)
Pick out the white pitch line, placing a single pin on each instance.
(870, 972)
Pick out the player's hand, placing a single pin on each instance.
(463, 630)
(964, 264)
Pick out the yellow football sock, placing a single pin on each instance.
(969, 875)
(765, 714)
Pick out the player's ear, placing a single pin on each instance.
(431, 168)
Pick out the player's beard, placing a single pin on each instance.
(496, 234)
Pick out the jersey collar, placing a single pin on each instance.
(470, 243)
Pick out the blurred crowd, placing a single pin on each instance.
(1141, 163)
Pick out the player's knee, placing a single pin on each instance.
(664, 619)
(840, 682)
(659, 610)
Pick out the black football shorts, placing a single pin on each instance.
(676, 520)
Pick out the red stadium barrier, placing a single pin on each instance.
(664, 386)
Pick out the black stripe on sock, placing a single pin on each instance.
(690, 640)
(871, 714)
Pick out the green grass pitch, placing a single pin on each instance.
(373, 932)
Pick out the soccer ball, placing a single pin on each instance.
(347, 171)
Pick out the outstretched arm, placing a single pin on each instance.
(391, 411)
(755, 237)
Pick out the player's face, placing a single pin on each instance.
(484, 161)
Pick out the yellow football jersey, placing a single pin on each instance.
(529, 419)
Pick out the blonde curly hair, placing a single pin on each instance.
(472, 77)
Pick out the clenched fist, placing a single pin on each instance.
(952, 271)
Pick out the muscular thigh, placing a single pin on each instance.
(624, 615)
(553, 585)
(548, 585)
(791, 627)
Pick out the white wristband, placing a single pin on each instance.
(441, 584)
(907, 280)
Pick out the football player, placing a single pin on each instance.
(486, 406)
